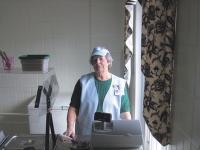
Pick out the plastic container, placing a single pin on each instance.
(35, 62)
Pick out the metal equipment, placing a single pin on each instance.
(117, 134)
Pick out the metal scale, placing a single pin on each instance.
(116, 134)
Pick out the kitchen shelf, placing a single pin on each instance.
(20, 71)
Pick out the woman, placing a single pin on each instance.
(98, 91)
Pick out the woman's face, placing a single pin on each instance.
(100, 64)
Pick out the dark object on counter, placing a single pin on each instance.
(104, 117)
(29, 148)
(39, 91)
(34, 62)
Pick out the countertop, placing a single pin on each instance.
(38, 141)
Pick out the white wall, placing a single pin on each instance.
(186, 133)
(65, 29)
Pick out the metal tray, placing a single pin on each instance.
(36, 142)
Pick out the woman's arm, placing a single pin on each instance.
(73, 110)
(71, 120)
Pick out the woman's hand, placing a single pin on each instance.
(125, 115)
(71, 119)
(70, 133)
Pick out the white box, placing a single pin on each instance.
(37, 116)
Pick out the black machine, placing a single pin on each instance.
(102, 116)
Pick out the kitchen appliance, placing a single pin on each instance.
(117, 134)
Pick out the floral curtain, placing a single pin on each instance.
(158, 40)
(128, 48)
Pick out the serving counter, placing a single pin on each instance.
(37, 142)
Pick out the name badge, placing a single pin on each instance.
(117, 90)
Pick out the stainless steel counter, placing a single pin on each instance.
(37, 142)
